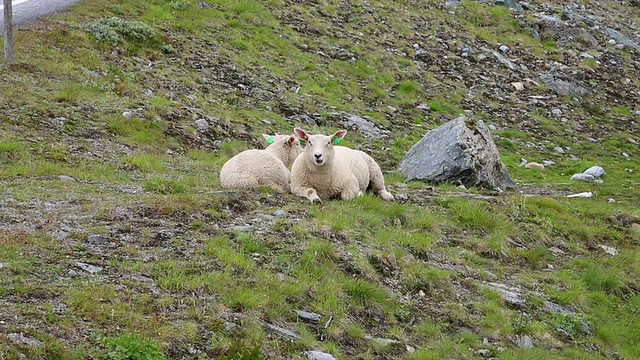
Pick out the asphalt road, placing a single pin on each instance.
(28, 11)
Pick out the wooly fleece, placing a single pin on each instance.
(324, 171)
(255, 168)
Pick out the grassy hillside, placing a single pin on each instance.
(117, 243)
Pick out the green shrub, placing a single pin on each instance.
(133, 347)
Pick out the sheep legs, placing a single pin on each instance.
(376, 179)
(309, 193)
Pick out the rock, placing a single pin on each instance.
(242, 228)
(595, 171)
(508, 294)
(611, 42)
(410, 349)
(229, 326)
(284, 333)
(503, 48)
(366, 127)
(503, 59)
(308, 316)
(72, 273)
(534, 165)
(619, 46)
(127, 115)
(318, 355)
(523, 162)
(65, 178)
(147, 92)
(484, 352)
(280, 213)
(609, 250)
(202, 124)
(592, 140)
(582, 177)
(518, 85)
(556, 112)
(23, 340)
(622, 39)
(625, 154)
(587, 194)
(510, 4)
(461, 150)
(401, 197)
(548, 162)
(564, 88)
(523, 342)
(88, 267)
(611, 200)
(492, 127)
(424, 107)
(96, 239)
(559, 149)
(555, 308)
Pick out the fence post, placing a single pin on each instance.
(8, 31)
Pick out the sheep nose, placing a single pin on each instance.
(318, 156)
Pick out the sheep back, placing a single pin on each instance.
(254, 168)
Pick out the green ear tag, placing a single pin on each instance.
(302, 142)
(337, 141)
(270, 140)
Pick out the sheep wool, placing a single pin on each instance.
(255, 168)
(325, 171)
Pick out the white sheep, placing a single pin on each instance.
(325, 171)
(254, 168)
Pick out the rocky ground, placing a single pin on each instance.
(111, 220)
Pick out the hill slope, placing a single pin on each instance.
(117, 116)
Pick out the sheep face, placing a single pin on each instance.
(319, 148)
(285, 147)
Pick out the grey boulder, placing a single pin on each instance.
(460, 151)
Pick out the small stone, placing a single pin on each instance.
(318, 355)
(228, 326)
(72, 273)
(96, 239)
(625, 154)
(88, 267)
(242, 228)
(555, 308)
(484, 352)
(592, 140)
(410, 349)
(587, 56)
(202, 124)
(556, 112)
(401, 197)
(559, 149)
(482, 57)
(508, 294)
(65, 178)
(308, 316)
(280, 213)
(392, 109)
(523, 162)
(628, 170)
(147, 92)
(423, 107)
(284, 333)
(582, 177)
(492, 127)
(612, 42)
(127, 115)
(518, 85)
(265, 121)
(1, 265)
(587, 194)
(595, 171)
(451, 4)
(611, 200)
(609, 250)
(524, 342)
(619, 46)
(504, 48)
(21, 339)
(548, 162)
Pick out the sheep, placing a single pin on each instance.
(325, 171)
(534, 165)
(254, 168)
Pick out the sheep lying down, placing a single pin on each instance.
(255, 168)
(324, 171)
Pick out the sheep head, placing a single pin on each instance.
(286, 147)
(319, 148)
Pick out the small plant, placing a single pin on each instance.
(179, 4)
(133, 347)
(408, 87)
(108, 30)
(165, 186)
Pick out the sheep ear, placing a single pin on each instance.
(301, 134)
(291, 140)
(338, 136)
(266, 136)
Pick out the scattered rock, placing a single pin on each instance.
(609, 250)
(229, 326)
(625, 154)
(88, 267)
(401, 197)
(564, 88)
(23, 340)
(96, 239)
(534, 165)
(523, 162)
(492, 127)
(523, 342)
(556, 309)
(503, 48)
(284, 333)
(595, 171)
(127, 115)
(484, 352)
(587, 194)
(280, 213)
(461, 150)
(518, 85)
(508, 294)
(582, 177)
(65, 178)
(611, 200)
(202, 124)
(147, 92)
(556, 112)
(548, 162)
(511, 4)
(559, 149)
(318, 355)
(242, 228)
(308, 316)
(366, 127)
(622, 39)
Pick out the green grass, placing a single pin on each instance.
(177, 274)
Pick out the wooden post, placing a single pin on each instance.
(8, 31)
